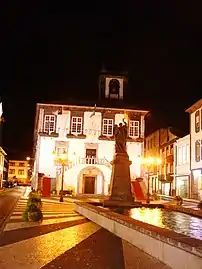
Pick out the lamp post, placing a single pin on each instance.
(150, 162)
(61, 159)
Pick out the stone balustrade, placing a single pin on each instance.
(175, 250)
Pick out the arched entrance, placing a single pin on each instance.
(90, 181)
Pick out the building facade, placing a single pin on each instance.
(18, 171)
(160, 144)
(2, 158)
(195, 112)
(182, 167)
(86, 133)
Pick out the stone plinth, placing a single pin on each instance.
(120, 187)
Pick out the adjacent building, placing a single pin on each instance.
(182, 167)
(160, 144)
(2, 158)
(18, 171)
(195, 112)
(86, 133)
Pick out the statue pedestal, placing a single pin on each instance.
(120, 187)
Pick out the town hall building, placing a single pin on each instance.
(85, 132)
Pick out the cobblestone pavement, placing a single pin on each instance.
(65, 240)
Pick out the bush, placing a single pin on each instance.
(200, 205)
(36, 201)
(35, 214)
(33, 210)
(178, 200)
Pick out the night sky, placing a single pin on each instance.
(54, 52)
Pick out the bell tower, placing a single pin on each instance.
(112, 86)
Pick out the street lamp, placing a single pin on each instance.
(61, 159)
(148, 162)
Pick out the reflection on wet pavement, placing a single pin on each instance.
(172, 220)
(36, 252)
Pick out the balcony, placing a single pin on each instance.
(89, 161)
(166, 178)
(170, 159)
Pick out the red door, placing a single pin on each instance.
(46, 187)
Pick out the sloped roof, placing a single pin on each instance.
(194, 107)
(116, 104)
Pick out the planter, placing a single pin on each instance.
(43, 134)
(81, 136)
(200, 205)
(103, 137)
(70, 136)
(53, 134)
(35, 216)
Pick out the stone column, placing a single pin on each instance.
(120, 186)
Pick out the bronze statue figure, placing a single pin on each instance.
(121, 133)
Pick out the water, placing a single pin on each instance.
(175, 221)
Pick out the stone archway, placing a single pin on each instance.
(90, 181)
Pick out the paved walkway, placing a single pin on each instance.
(64, 240)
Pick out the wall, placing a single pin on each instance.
(183, 167)
(46, 159)
(22, 178)
(76, 148)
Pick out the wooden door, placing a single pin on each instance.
(89, 185)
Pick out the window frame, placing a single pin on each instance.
(111, 125)
(49, 121)
(22, 172)
(77, 123)
(197, 122)
(131, 127)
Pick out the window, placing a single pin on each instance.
(107, 127)
(134, 129)
(12, 164)
(49, 124)
(21, 172)
(76, 126)
(60, 150)
(187, 153)
(197, 121)
(180, 156)
(197, 151)
(21, 164)
(11, 171)
(184, 157)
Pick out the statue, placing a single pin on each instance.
(120, 133)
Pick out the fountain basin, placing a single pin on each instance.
(158, 242)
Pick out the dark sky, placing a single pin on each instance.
(53, 52)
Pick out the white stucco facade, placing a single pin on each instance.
(80, 165)
(195, 112)
(182, 166)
